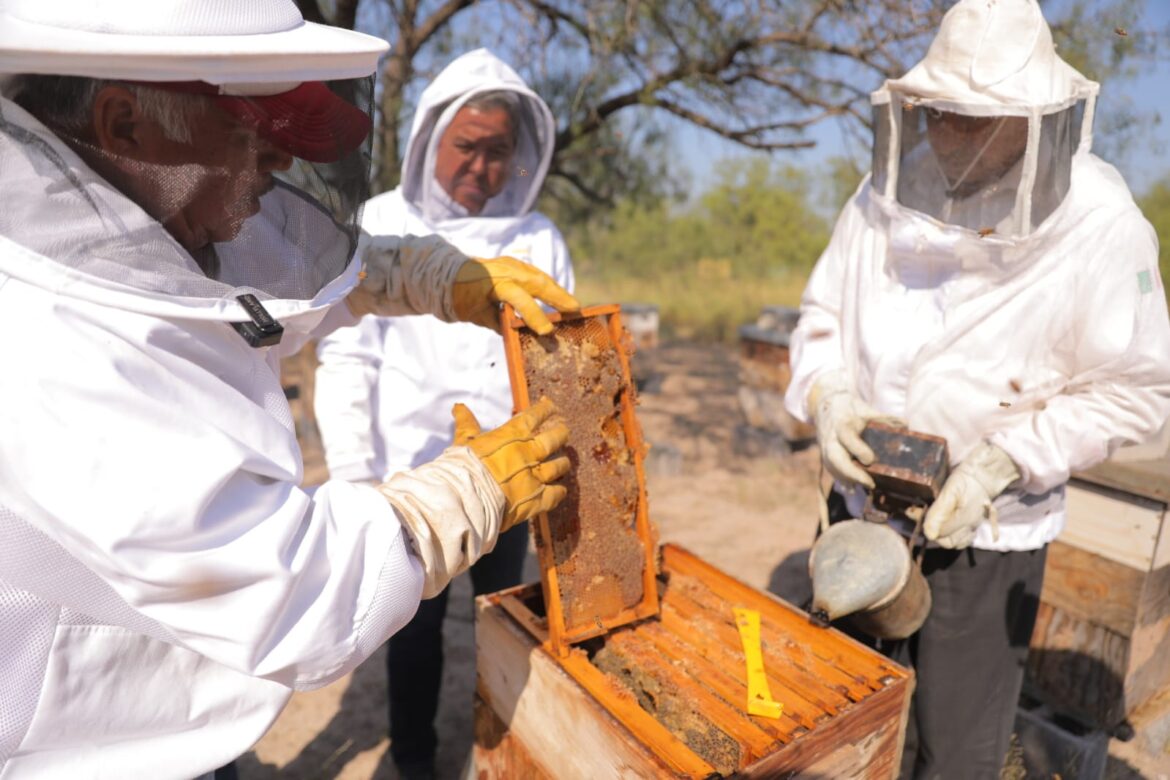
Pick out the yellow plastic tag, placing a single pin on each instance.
(759, 697)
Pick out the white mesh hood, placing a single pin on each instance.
(994, 57)
(981, 133)
(474, 73)
(67, 229)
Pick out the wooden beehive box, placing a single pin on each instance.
(1101, 647)
(666, 697)
(657, 687)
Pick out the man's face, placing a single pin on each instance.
(474, 157)
(202, 191)
(975, 151)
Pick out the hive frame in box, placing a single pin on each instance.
(560, 634)
(845, 705)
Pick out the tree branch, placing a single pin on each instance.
(595, 197)
(311, 11)
(557, 16)
(748, 136)
(440, 17)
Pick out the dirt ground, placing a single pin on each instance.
(741, 504)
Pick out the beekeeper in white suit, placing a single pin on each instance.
(479, 149)
(179, 209)
(991, 282)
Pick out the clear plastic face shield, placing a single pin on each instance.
(179, 190)
(994, 174)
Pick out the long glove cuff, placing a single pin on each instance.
(991, 467)
(410, 274)
(827, 384)
(451, 509)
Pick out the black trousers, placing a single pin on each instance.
(415, 658)
(969, 659)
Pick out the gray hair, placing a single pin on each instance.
(65, 103)
(500, 99)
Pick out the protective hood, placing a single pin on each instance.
(980, 134)
(474, 73)
(994, 57)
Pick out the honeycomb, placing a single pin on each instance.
(597, 552)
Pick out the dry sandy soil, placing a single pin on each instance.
(752, 514)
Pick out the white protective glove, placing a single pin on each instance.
(840, 416)
(966, 498)
(405, 275)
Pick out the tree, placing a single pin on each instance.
(754, 223)
(757, 72)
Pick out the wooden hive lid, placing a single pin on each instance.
(597, 549)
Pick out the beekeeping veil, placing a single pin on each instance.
(981, 133)
(260, 160)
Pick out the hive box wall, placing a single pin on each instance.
(1098, 650)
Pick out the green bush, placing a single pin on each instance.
(710, 266)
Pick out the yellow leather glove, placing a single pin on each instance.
(481, 285)
(518, 458)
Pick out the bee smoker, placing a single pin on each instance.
(865, 569)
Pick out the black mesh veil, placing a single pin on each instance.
(225, 194)
(1002, 174)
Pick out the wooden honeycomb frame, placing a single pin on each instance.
(573, 615)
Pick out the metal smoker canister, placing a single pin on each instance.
(865, 570)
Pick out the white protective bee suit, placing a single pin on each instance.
(385, 387)
(1030, 314)
(1003, 294)
(165, 584)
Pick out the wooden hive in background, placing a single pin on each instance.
(655, 687)
(1101, 647)
(764, 373)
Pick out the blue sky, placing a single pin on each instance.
(1142, 164)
